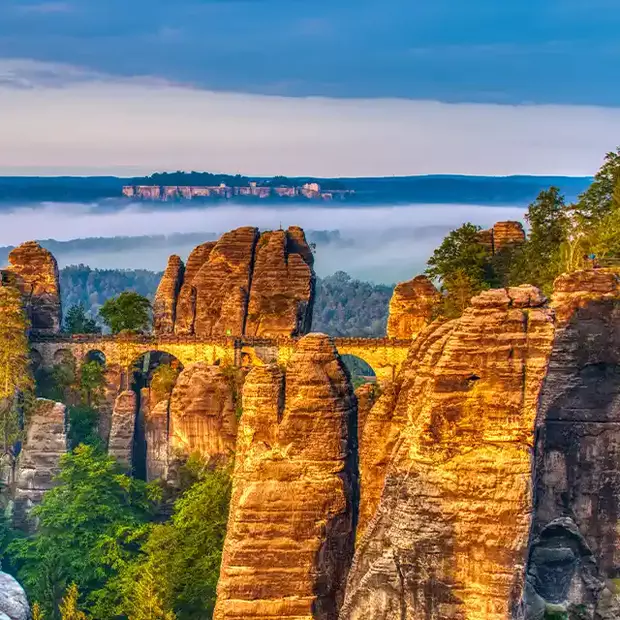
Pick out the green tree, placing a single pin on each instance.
(598, 199)
(540, 259)
(91, 383)
(187, 552)
(146, 602)
(90, 528)
(15, 376)
(77, 321)
(129, 311)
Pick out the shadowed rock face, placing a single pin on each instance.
(35, 273)
(120, 444)
(165, 302)
(290, 533)
(39, 460)
(575, 550)
(13, 600)
(283, 281)
(448, 539)
(202, 413)
(411, 307)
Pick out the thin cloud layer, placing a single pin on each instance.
(384, 244)
(66, 120)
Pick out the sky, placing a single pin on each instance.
(308, 87)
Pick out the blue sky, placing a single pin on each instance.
(506, 53)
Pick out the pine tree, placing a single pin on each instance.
(147, 603)
(69, 605)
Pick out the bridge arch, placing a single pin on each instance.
(360, 370)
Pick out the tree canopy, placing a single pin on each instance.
(127, 312)
(78, 322)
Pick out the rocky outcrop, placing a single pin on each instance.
(411, 307)
(202, 413)
(449, 536)
(245, 283)
(165, 302)
(290, 533)
(35, 273)
(39, 460)
(186, 303)
(502, 236)
(575, 552)
(13, 600)
(223, 284)
(282, 294)
(122, 430)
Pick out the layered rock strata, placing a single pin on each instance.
(283, 283)
(291, 527)
(39, 460)
(411, 307)
(202, 413)
(574, 559)
(165, 302)
(449, 535)
(34, 271)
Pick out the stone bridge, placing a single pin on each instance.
(384, 355)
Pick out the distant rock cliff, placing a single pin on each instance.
(291, 527)
(245, 283)
(411, 307)
(35, 272)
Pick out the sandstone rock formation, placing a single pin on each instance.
(186, 303)
(39, 460)
(120, 444)
(202, 413)
(290, 533)
(282, 293)
(503, 235)
(35, 273)
(449, 537)
(156, 436)
(242, 284)
(165, 302)
(13, 600)
(411, 307)
(223, 284)
(575, 551)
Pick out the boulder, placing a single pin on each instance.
(411, 307)
(13, 600)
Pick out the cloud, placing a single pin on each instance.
(384, 244)
(558, 51)
(96, 123)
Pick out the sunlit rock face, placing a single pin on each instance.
(411, 307)
(202, 413)
(245, 283)
(503, 235)
(165, 302)
(448, 538)
(39, 460)
(35, 273)
(575, 551)
(290, 534)
(283, 281)
(186, 302)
